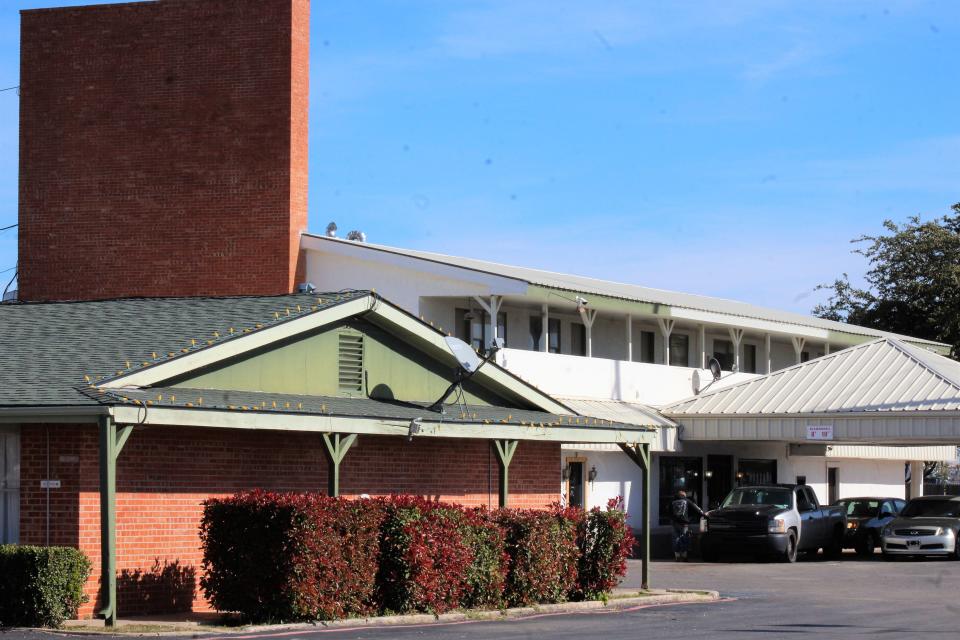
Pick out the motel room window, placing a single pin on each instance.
(647, 348)
(749, 362)
(677, 474)
(723, 352)
(578, 339)
(679, 350)
(553, 333)
(472, 327)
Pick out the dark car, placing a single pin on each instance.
(866, 518)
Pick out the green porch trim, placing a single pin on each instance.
(504, 450)
(640, 454)
(336, 446)
(111, 443)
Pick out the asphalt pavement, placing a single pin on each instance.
(848, 598)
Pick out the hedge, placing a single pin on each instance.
(307, 557)
(41, 586)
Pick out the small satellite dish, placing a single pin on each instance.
(332, 230)
(467, 358)
(715, 369)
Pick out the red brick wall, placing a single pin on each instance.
(163, 148)
(165, 473)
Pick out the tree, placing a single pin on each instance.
(913, 283)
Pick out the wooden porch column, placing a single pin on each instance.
(336, 446)
(629, 338)
(505, 450)
(111, 443)
(545, 329)
(640, 454)
(666, 328)
(703, 347)
(767, 354)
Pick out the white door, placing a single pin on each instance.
(9, 484)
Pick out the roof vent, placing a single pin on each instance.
(350, 362)
(306, 287)
(332, 230)
(9, 296)
(357, 236)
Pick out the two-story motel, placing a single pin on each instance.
(632, 353)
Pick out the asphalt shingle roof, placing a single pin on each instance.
(47, 349)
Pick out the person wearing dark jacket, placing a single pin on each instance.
(683, 511)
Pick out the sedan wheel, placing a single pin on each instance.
(866, 546)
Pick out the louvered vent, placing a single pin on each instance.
(350, 362)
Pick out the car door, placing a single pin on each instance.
(809, 520)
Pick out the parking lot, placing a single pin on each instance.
(851, 597)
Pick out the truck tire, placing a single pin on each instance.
(709, 555)
(790, 554)
(835, 548)
(866, 547)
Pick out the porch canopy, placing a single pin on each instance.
(884, 392)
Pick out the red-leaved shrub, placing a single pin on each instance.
(542, 546)
(605, 543)
(290, 556)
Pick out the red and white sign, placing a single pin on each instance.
(819, 432)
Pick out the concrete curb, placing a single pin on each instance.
(616, 602)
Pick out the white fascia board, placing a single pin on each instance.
(495, 284)
(755, 324)
(866, 428)
(243, 343)
(52, 415)
(489, 371)
(212, 418)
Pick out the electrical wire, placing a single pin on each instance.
(10, 88)
(8, 228)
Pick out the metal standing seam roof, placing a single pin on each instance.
(884, 375)
(624, 291)
(632, 413)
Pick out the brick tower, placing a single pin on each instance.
(163, 148)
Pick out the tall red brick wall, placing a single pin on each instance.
(163, 148)
(165, 473)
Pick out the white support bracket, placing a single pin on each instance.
(798, 344)
(666, 328)
(736, 336)
(588, 316)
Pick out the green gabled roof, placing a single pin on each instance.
(48, 350)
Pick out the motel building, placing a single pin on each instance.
(846, 408)
(163, 346)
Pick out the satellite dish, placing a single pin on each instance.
(467, 358)
(715, 368)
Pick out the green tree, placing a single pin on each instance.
(912, 285)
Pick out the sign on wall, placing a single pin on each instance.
(819, 432)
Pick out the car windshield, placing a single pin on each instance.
(772, 497)
(861, 508)
(931, 509)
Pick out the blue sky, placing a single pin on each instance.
(729, 149)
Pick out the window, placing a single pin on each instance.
(749, 363)
(647, 348)
(9, 485)
(472, 327)
(553, 333)
(756, 472)
(677, 474)
(803, 501)
(723, 352)
(679, 350)
(578, 339)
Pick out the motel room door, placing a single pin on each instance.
(9, 484)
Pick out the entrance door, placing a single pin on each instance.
(754, 472)
(833, 485)
(719, 479)
(9, 485)
(575, 496)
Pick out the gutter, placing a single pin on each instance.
(53, 413)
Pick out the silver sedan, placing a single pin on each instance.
(927, 526)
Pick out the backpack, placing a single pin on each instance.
(679, 509)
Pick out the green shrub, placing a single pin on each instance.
(41, 586)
